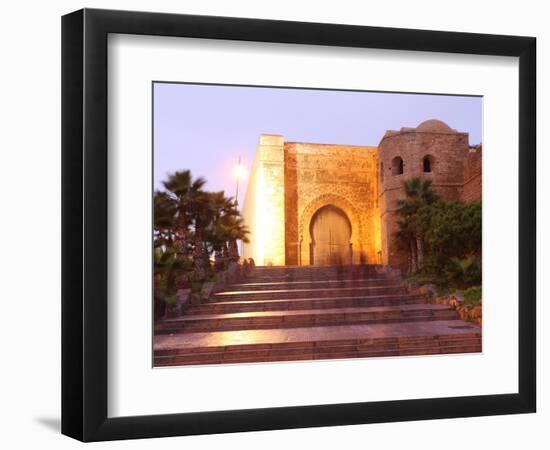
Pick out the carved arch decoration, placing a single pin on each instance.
(307, 215)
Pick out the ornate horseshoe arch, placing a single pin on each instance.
(312, 208)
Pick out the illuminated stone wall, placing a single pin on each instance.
(344, 176)
(291, 181)
(264, 205)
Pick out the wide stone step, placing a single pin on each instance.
(322, 354)
(379, 343)
(305, 318)
(287, 304)
(292, 278)
(310, 284)
(261, 274)
(270, 294)
(302, 269)
(351, 341)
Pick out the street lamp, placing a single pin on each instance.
(239, 172)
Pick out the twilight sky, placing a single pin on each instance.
(205, 128)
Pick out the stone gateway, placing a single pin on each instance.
(325, 204)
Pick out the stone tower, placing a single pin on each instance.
(431, 151)
(264, 204)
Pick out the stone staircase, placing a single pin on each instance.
(313, 312)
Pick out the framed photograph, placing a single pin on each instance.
(273, 224)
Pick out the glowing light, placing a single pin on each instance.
(260, 219)
(239, 171)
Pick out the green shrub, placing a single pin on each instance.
(422, 278)
(442, 238)
(170, 300)
(452, 229)
(472, 295)
(463, 272)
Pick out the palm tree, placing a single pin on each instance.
(234, 227)
(226, 228)
(238, 231)
(203, 211)
(420, 190)
(190, 221)
(164, 219)
(185, 193)
(216, 234)
(167, 269)
(406, 241)
(418, 193)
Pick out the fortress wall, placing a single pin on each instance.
(290, 181)
(344, 176)
(472, 175)
(263, 210)
(448, 150)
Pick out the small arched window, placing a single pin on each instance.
(397, 166)
(427, 164)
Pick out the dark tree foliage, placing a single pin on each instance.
(452, 236)
(442, 238)
(452, 229)
(190, 226)
(410, 236)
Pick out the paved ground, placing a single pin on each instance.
(347, 311)
(335, 332)
(298, 313)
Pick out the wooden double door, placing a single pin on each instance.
(330, 235)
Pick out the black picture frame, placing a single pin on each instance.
(84, 224)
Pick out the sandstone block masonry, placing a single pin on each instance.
(343, 176)
(430, 151)
(291, 183)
